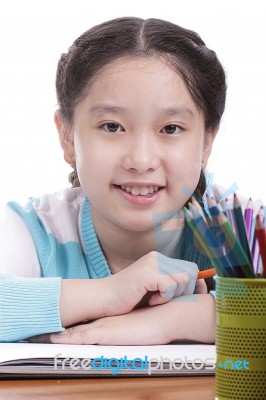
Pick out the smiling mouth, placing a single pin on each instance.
(147, 191)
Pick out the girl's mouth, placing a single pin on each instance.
(144, 195)
(141, 191)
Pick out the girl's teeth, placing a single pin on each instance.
(143, 191)
(135, 191)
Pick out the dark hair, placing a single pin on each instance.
(199, 66)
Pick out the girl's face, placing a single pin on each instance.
(138, 142)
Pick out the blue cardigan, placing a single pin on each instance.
(61, 228)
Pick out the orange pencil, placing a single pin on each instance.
(206, 273)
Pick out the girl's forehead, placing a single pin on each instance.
(138, 85)
(151, 65)
(141, 76)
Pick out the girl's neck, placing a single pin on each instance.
(122, 247)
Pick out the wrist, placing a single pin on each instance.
(82, 299)
(190, 317)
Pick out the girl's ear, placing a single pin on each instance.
(66, 138)
(208, 142)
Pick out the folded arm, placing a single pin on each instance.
(189, 317)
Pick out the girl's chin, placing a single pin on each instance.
(136, 225)
(140, 228)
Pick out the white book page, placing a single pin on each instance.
(17, 351)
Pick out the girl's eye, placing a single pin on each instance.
(112, 127)
(172, 129)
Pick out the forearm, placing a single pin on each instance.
(190, 318)
(82, 299)
(162, 324)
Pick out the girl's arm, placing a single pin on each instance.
(30, 305)
(186, 318)
(155, 275)
(33, 306)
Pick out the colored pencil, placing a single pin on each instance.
(228, 236)
(242, 267)
(230, 214)
(207, 250)
(248, 219)
(241, 229)
(255, 253)
(210, 242)
(206, 273)
(228, 245)
(261, 236)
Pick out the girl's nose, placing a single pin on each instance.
(142, 155)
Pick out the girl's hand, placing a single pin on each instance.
(135, 328)
(152, 280)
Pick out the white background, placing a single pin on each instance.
(33, 34)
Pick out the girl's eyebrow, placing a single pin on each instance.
(177, 111)
(105, 107)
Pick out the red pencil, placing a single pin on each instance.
(261, 236)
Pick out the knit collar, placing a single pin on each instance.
(95, 258)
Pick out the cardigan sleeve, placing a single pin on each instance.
(28, 307)
(29, 304)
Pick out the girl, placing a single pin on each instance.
(140, 103)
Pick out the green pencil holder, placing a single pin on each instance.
(240, 339)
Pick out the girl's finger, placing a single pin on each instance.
(40, 338)
(71, 336)
(201, 287)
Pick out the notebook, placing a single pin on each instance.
(34, 360)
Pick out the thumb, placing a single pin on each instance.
(201, 287)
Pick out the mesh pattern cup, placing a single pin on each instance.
(240, 339)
